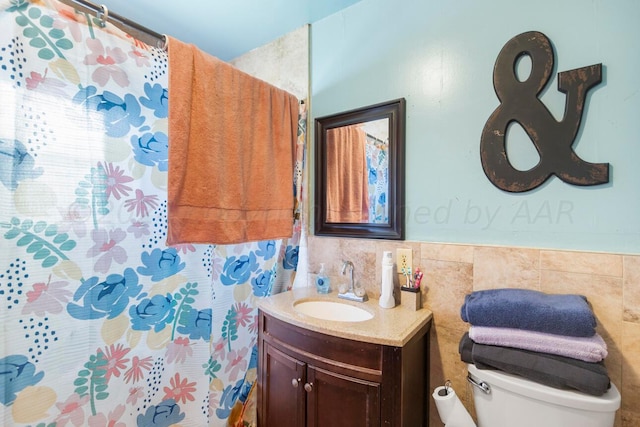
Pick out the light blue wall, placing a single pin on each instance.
(439, 55)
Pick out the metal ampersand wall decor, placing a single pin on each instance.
(519, 103)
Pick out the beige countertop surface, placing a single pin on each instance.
(389, 326)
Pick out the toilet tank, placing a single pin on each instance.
(516, 401)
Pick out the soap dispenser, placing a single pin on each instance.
(386, 295)
(322, 281)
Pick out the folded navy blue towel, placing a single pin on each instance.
(565, 314)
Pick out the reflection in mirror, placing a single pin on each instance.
(360, 172)
(357, 173)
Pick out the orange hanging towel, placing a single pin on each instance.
(231, 152)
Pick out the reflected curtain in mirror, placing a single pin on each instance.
(377, 155)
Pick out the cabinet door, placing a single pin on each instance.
(283, 396)
(335, 400)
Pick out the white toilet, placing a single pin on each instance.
(505, 400)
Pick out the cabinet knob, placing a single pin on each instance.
(308, 387)
(295, 382)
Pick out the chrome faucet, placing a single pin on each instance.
(349, 264)
(351, 293)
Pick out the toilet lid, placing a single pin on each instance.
(608, 402)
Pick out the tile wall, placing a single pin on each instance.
(611, 283)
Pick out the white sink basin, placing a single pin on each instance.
(330, 310)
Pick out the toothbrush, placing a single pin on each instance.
(407, 275)
(417, 278)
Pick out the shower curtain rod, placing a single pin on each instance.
(120, 21)
(142, 33)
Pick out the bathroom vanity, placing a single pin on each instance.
(324, 373)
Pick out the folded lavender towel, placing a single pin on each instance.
(531, 310)
(589, 349)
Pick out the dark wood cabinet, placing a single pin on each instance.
(310, 379)
(286, 377)
(329, 392)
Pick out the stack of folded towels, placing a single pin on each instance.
(550, 339)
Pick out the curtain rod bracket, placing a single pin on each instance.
(162, 42)
(103, 15)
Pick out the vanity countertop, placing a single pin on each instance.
(389, 326)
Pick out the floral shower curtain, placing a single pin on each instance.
(378, 179)
(101, 323)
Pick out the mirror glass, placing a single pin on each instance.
(360, 172)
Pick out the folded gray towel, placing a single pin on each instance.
(548, 369)
(564, 314)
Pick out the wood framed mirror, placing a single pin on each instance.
(359, 172)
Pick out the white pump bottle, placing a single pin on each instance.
(386, 295)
